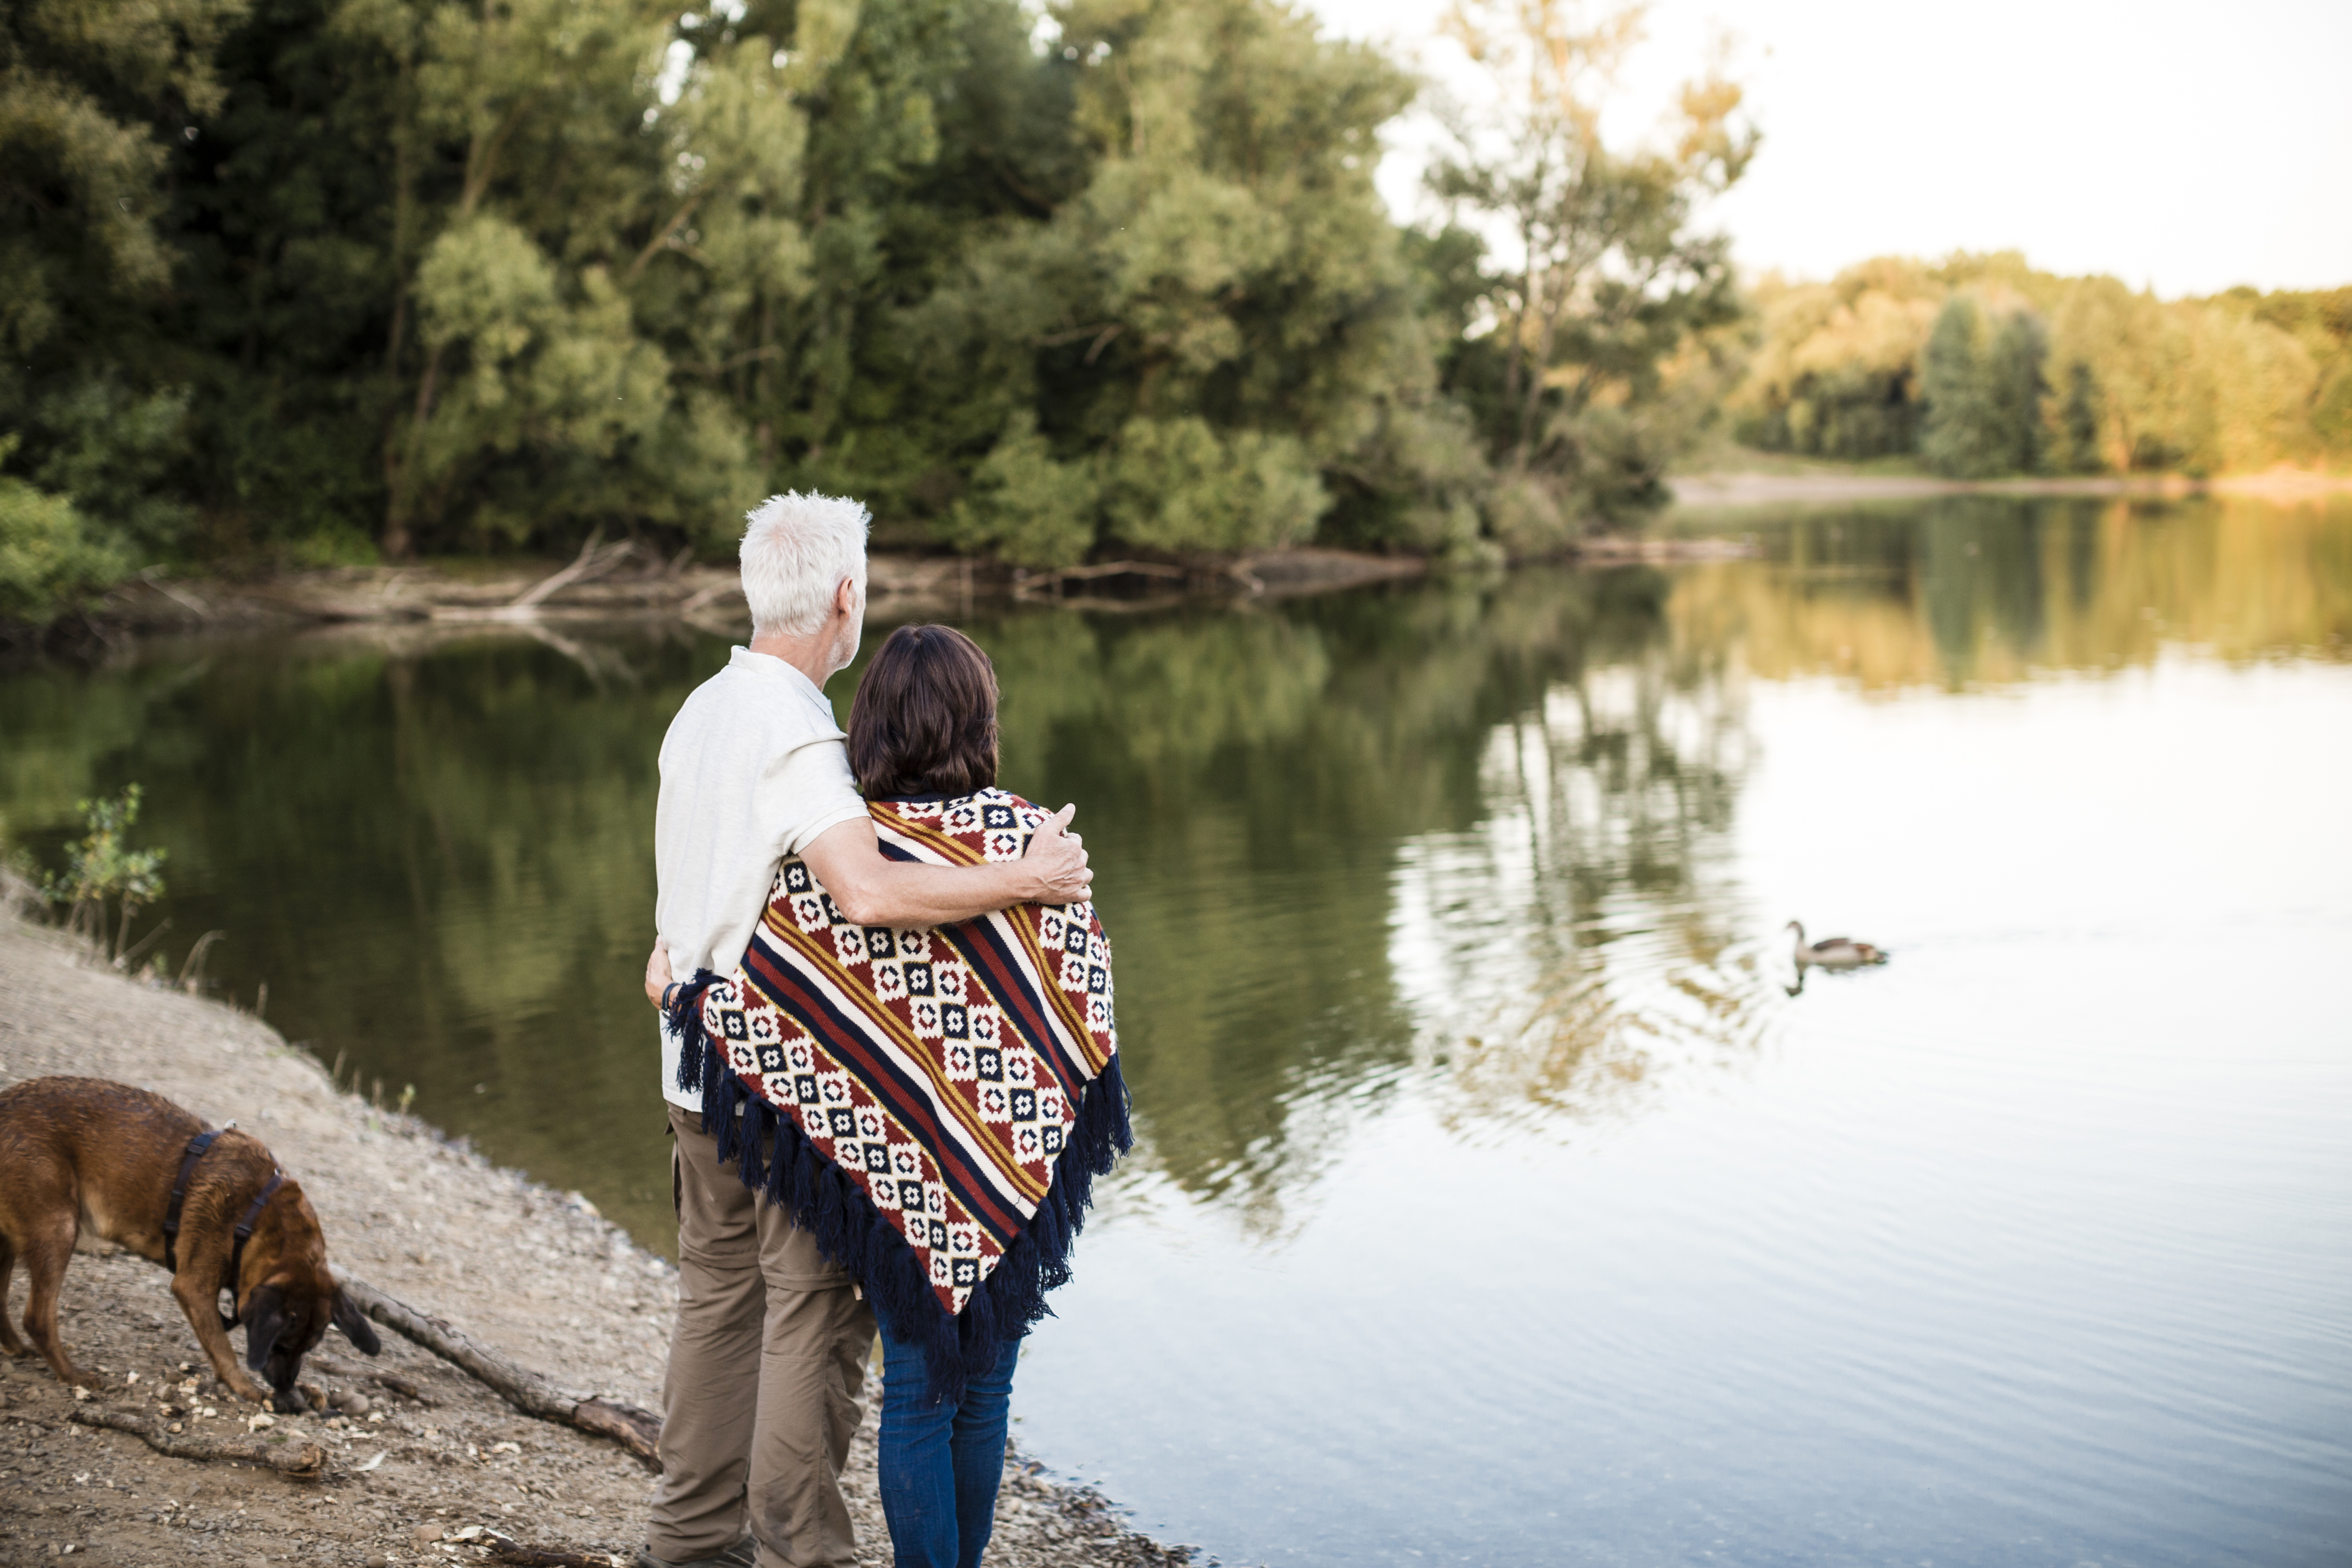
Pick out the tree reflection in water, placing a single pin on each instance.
(1466, 836)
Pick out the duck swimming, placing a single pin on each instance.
(1834, 952)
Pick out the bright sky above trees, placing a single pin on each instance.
(2192, 147)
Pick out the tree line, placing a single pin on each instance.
(307, 282)
(1981, 366)
(319, 281)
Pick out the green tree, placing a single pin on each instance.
(1837, 371)
(93, 96)
(2238, 381)
(1220, 324)
(1610, 275)
(1981, 377)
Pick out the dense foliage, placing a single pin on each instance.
(310, 281)
(1611, 329)
(1981, 366)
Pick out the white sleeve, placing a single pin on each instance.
(809, 792)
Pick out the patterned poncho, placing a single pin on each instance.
(932, 1105)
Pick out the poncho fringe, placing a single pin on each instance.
(775, 1159)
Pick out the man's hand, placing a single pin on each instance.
(1058, 860)
(657, 974)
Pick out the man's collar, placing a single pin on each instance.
(768, 667)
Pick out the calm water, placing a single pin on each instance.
(1498, 1202)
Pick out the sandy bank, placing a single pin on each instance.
(537, 1274)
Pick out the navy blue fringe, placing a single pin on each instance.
(685, 1015)
(774, 1158)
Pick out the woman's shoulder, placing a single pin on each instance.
(979, 813)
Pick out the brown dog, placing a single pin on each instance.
(135, 1169)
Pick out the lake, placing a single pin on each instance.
(1500, 1196)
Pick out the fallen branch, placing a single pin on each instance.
(504, 1548)
(391, 1380)
(301, 1460)
(638, 1431)
(153, 580)
(716, 592)
(1119, 568)
(591, 561)
(1028, 583)
(507, 1549)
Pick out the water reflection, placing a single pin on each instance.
(1984, 590)
(1580, 939)
(1469, 835)
(1269, 789)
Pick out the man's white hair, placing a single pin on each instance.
(795, 554)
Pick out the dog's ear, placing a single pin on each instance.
(265, 1319)
(355, 1326)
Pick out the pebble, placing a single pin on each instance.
(375, 1559)
(423, 1532)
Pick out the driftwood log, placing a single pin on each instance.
(502, 1548)
(301, 1460)
(638, 1431)
(505, 1549)
(402, 1386)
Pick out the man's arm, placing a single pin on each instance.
(873, 892)
(870, 891)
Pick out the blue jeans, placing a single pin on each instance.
(940, 1463)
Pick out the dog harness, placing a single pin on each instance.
(244, 1233)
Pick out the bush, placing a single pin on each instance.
(1527, 517)
(101, 868)
(1024, 507)
(53, 560)
(1177, 485)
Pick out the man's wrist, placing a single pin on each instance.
(1031, 886)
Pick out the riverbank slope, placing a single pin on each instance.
(537, 1275)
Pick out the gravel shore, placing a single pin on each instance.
(537, 1275)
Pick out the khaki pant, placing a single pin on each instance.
(765, 1369)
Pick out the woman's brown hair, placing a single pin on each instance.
(924, 720)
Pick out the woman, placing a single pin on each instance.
(932, 1105)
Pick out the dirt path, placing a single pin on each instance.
(537, 1274)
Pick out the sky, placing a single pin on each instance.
(2187, 148)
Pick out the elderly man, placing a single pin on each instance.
(769, 1353)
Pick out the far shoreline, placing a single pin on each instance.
(430, 600)
(1824, 484)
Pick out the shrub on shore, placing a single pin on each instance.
(53, 560)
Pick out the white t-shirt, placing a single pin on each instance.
(753, 769)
